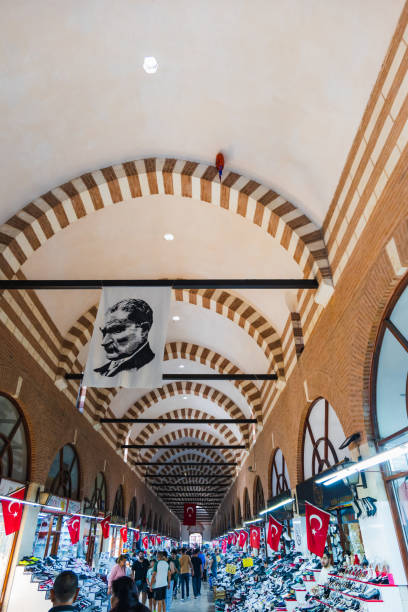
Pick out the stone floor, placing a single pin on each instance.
(202, 604)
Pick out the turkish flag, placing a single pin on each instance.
(243, 537)
(190, 511)
(145, 542)
(153, 540)
(229, 539)
(158, 540)
(234, 539)
(275, 529)
(123, 534)
(74, 525)
(137, 535)
(13, 511)
(255, 537)
(317, 525)
(105, 526)
(224, 545)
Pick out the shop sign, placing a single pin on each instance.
(248, 562)
(230, 568)
(218, 558)
(65, 504)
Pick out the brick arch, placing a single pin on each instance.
(41, 219)
(185, 433)
(205, 356)
(219, 301)
(182, 388)
(190, 455)
(190, 413)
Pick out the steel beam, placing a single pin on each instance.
(175, 283)
(178, 376)
(185, 446)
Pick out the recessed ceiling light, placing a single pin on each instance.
(176, 318)
(184, 396)
(150, 65)
(181, 366)
(168, 236)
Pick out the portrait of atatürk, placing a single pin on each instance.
(125, 337)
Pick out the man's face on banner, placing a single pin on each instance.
(122, 337)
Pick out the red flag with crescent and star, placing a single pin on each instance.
(13, 511)
(137, 535)
(229, 539)
(153, 540)
(275, 529)
(255, 537)
(190, 511)
(123, 534)
(158, 540)
(145, 542)
(224, 545)
(74, 526)
(234, 538)
(105, 526)
(243, 537)
(317, 526)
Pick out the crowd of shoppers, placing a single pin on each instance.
(157, 581)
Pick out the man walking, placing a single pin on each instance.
(185, 569)
(197, 573)
(139, 573)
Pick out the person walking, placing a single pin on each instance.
(64, 592)
(139, 573)
(197, 573)
(123, 597)
(212, 575)
(202, 557)
(149, 575)
(185, 570)
(161, 581)
(117, 571)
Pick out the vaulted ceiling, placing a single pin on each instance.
(279, 87)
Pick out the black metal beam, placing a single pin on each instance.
(184, 446)
(170, 464)
(215, 376)
(175, 283)
(180, 421)
(184, 485)
(178, 476)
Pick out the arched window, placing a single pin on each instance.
(259, 499)
(322, 436)
(389, 393)
(14, 442)
(132, 516)
(63, 477)
(279, 474)
(118, 512)
(247, 506)
(97, 502)
(239, 514)
(155, 522)
(149, 521)
(233, 525)
(142, 520)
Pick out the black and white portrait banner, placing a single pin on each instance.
(127, 343)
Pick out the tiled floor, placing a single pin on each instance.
(202, 604)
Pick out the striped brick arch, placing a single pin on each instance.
(41, 219)
(190, 413)
(186, 435)
(222, 302)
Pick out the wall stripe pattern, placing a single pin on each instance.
(26, 231)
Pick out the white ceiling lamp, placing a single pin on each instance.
(176, 318)
(168, 236)
(150, 65)
(184, 396)
(181, 366)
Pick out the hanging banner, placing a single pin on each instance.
(128, 338)
(275, 529)
(105, 526)
(136, 535)
(224, 545)
(317, 525)
(158, 540)
(243, 537)
(255, 537)
(190, 512)
(229, 539)
(74, 526)
(13, 511)
(123, 534)
(153, 540)
(145, 542)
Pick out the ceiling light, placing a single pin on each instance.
(393, 453)
(176, 318)
(168, 236)
(181, 366)
(184, 396)
(253, 521)
(150, 65)
(282, 503)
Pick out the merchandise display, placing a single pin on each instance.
(291, 583)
